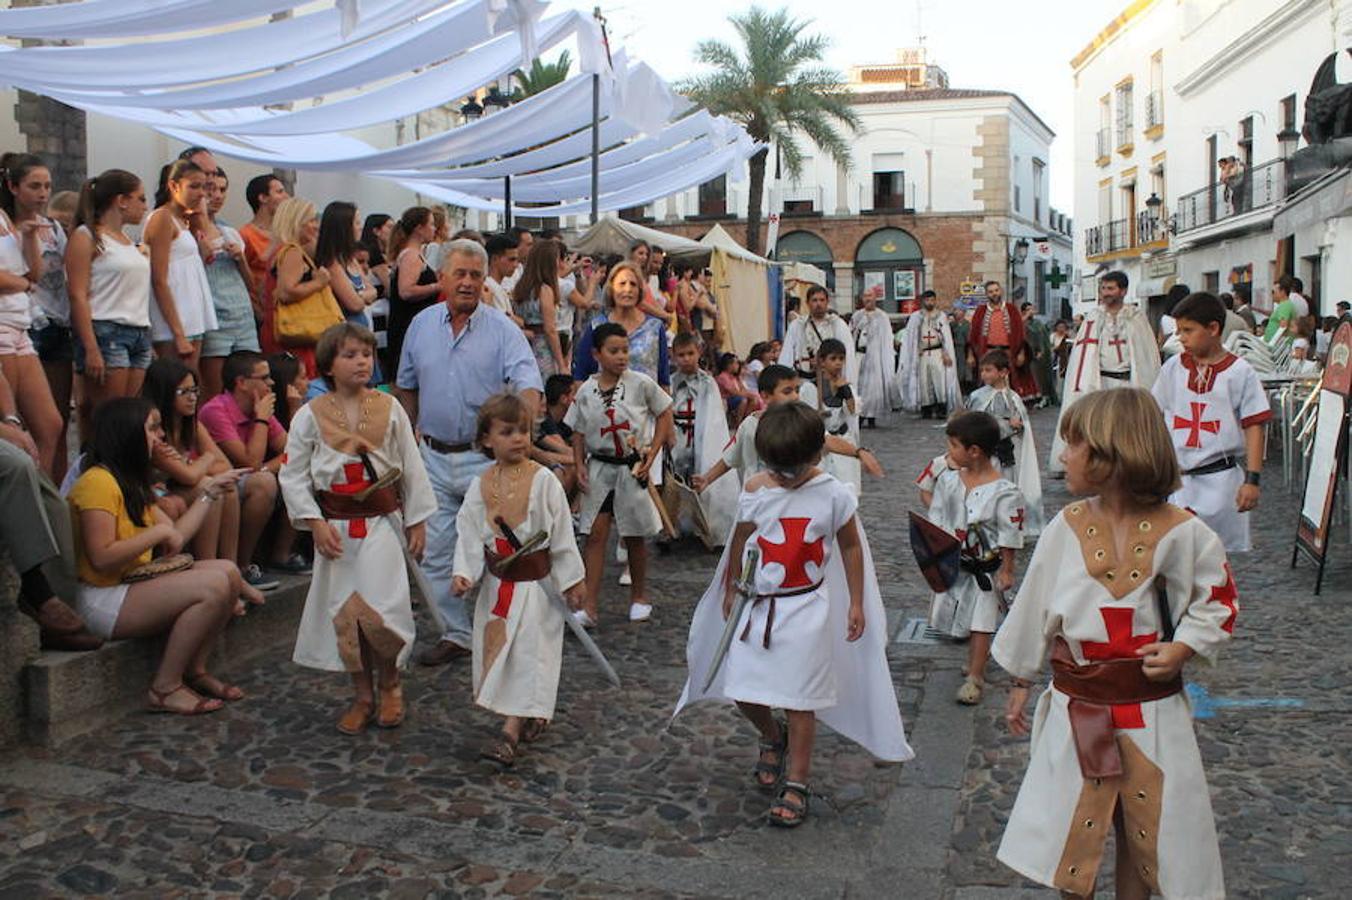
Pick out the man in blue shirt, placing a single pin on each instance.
(455, 356)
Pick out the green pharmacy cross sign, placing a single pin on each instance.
(1056, 277)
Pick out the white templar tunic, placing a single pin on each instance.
(701, 437)
(805, 334)
(1105, 607)
(809, 664)
(873, 347)
(1207, 409)
(518, 627)
(844, 424)
(1110, 350)
(616, 423)
(922, 377)
(1007, 406)
(985, 518)
(366, 589)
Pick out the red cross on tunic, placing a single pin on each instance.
(506, 589)
(1117, 343)
(1196, 425)
(685, 420)
(1226, 595)
(1121, 644)
(1081, 343)
(356, 480)
(613, 430)
(794, 553)
(1018, 518)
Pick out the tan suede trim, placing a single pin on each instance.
(1121, 577)
(355, 620)
(335, 430)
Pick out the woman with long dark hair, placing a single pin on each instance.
(183, 311)
(337, 250)
(120, 528)
(413, 283)
(535, 299)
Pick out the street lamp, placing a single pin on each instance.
(471, 111)
(1020, 252)
(496, 100)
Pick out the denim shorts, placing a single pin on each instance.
(122, 346)
(235, 331)
(55, 343)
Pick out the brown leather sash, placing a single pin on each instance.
(770, 613)
(528, 567)
(1094, 688)
(381, 501)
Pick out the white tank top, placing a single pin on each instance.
(15, 308)
(119, 284)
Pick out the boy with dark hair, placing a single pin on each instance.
(839, 409)
(613, 409)
(503, 254)
(812, 618)
(995, 397)
(985, 512)
(554, 442)
(701, 436)
(1216, 409)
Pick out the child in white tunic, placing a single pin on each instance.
(611, 412)
(997, 398)
(518, 626)
(928, 478)
(985, 512)
(840, 409)
(358, 615)
(701, 431)
(812, 636)
(1216, 410)
(1122, 590)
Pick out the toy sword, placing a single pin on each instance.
(745, 590)
(573, 624)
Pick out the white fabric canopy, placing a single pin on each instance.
(204, 58)
(397, 52)
(616, 236)
(131, 18)
(717, 238)
(457, 77)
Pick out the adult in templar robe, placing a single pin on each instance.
(805, 335)
(997, 325)
(1114, 347)
(927, 374)
(872, 330)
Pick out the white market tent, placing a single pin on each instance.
(746, 287)
(616, 236)
(360, 63)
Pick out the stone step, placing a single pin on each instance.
(69, 694)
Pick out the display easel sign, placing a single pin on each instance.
(1329, 457)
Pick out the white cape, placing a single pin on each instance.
(908, 366)
(868, 713)
(876, 383)
(1027, 471)
(799, 339)
(718, 500)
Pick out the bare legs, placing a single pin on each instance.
(260, 497)
(211, 368)
(60, 378)
(802, 737)
(116, 383)
(36, 407)
(594, 559)
(978, 652)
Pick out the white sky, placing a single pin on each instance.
(990, 44)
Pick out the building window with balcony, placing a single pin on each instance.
(1154, 101)
(1124, 117)
(1103, 137)
(1039, 174)
(1289, 113)
(713, 197)
(889, 190)
(798, 208)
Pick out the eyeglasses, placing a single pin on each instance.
(186, 392)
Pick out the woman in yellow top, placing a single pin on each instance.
(118, 527)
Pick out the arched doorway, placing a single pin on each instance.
(891, 258)
(806, 247)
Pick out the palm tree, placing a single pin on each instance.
(776, 88)
(541, 76)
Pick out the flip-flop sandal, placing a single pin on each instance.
(501, 751)
(791, 805)
(211, 686)
(533, 730)
(203, 706)
(775, 768)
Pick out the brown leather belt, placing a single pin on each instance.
(1094, 688)
(528, 567)
(380, 502)
(770, 613)
(443, 447)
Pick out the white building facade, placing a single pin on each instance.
(1187, 113)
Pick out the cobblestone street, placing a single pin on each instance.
(267, 799)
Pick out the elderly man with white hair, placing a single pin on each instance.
(456, 355)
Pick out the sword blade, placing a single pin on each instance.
(585, 639)
(735, 616)
(424, 586)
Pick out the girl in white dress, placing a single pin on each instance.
(812, 636)
(358, 617)
(183, 311)
(518, 626)
(1123, 589)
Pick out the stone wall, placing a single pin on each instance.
(54, 131)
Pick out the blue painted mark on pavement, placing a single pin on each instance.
(1204, 705)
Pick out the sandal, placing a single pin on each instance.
(357, 717)
(791, 805)
(210, 686)
(391, 706)
(774, 769)
(501, 751)
(203, 706)
(533, 730)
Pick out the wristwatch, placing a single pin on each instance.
(1253, 478)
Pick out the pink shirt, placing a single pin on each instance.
(225, 421)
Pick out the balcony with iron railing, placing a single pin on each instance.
(1154, 114)
(1103, 146)
(1248, 191)
(802, 201)
(1110, 237)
